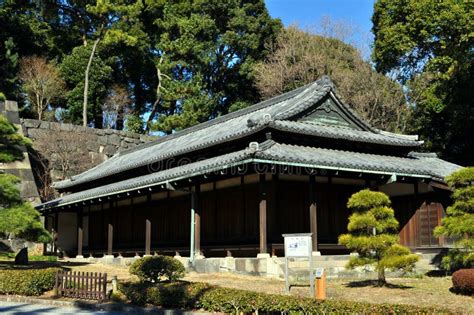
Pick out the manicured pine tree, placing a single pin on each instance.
(16, 216)
(373, 235)
(459, 222)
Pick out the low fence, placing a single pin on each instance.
(81, 285)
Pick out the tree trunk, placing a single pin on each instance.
(160, 77)
(381, 279)
(86, 83)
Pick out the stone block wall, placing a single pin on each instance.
(84, 147)
(101, 143)
(21, 169)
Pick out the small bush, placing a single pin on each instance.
(27, 281)
(2, 97)
(154, 268)
(225, 300)
(463, 281)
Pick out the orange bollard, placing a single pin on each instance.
(321, 287)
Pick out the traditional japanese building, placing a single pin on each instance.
(235, 184)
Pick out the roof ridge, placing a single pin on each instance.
(339, 150)
(339, 132)
(220, 119)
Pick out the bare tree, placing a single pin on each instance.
(117, 101)
(300, 57)
(41, 82)
(66, 152)
(42, 170)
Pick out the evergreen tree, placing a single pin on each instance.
(459, 222)
(11, 142)
(100, 77)
(429, 46)
(16, 216)
(373, 235)
(206, 51)
(23, 32)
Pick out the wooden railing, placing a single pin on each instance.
(81, 285)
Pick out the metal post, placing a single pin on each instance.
(147, 237)
(311, 275)
(197, 221)
(263, 215)
(191, 249)
(313, 212)
(80, 232)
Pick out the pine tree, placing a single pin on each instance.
(16, 216)
(10, 142)
(373, 235)
(459, 222)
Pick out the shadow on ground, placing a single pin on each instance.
(375, 283)
(40, 265)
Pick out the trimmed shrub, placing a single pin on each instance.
(463, 281)
(154, 268)
(173, 295)
(217, 299)
(2, 97)
(27, 281)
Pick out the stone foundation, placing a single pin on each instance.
(273, 267)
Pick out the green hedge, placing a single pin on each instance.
(27, 281)
(217, 299)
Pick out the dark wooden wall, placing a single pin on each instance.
(170, 224)
(418, 218)
(229, 217)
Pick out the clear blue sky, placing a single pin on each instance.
(310, 12)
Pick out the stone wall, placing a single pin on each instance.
(21, 169)
(82, 148)
(101, 143)
(55, 142)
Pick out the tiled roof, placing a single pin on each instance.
(343, 133)
(414, 164)
(428, 166)
(272, 113)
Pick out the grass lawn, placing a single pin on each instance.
(425, 291)
(11, 257)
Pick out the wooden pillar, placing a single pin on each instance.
(80, 233)
(110, 238)
(147, 237)
(416, 237)
(197, 221)
(313, 214)
(263, 215)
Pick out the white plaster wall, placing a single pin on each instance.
(401, 189)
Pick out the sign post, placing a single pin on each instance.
(298, 246)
